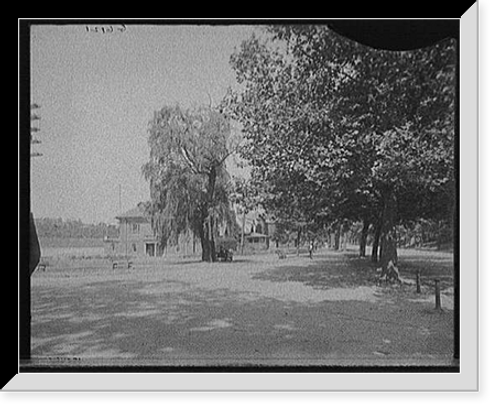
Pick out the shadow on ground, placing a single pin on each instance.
(350, 271)
(170, 321)
(121, 322)
(335, 271)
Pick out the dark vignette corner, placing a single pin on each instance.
(20, 342)
(397, 34)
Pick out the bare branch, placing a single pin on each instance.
(210, 99)
(187, 157)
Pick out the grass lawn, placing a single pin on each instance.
(256, 310)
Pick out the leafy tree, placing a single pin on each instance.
(340, 131)
(189, 184)
(59, 228)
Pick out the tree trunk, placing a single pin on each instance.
(207, 237)
(336, 244)
(213, 256)
(207, 240)
(363, 237)
(242, 243)
(266, 231)
(205, 245)
(345, 235)
(388, 237)
(208, 244)
(299, 231)
(376, 242)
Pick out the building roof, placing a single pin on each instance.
(138, 213)
(252, 218)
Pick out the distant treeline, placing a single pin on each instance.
(59, 228)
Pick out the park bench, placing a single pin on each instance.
(121, 264)
(281, 254)
(42, 265)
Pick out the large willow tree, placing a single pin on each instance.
(187, 175)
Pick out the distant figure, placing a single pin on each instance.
(391, 274)
(281, 254)
(311, 249)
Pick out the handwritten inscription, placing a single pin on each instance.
(106, 28)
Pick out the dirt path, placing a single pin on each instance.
(256, 310)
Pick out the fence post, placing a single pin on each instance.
(418, 282)
(438, 294)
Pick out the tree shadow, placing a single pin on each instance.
(172, 321)
(236, 259)
(348, 270)
(324, 271)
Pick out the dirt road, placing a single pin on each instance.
(256, 310)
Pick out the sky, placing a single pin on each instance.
(98, 91)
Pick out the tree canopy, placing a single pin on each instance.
(337, 130)
(189, 184)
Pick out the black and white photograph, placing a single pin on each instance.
(254, 196)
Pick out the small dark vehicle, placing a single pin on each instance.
(225, 248)
(224, 254)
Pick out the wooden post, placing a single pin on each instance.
(438, 294)
(418, 282)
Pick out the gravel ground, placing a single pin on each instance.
(256, 310)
